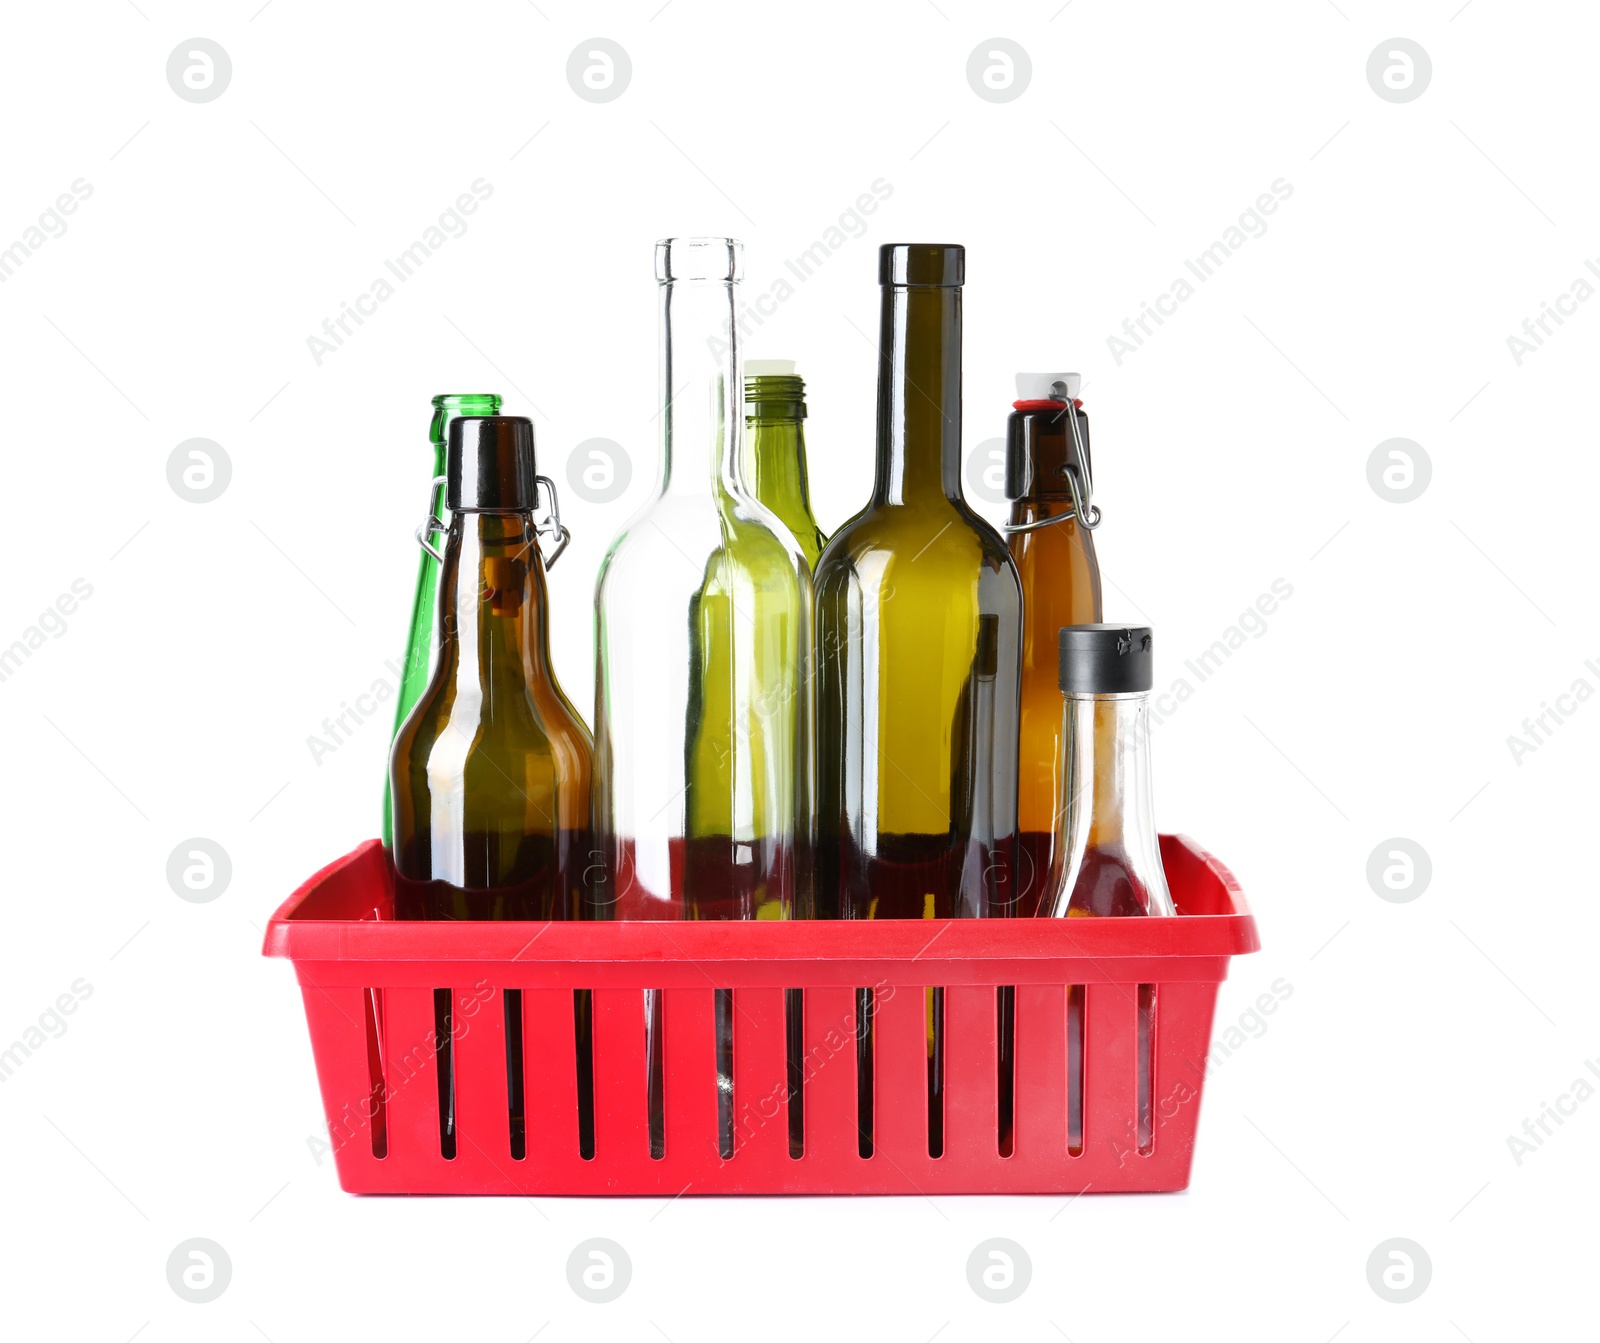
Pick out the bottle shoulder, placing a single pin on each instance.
(678, 545)
(796, 524)
(1053, 539)
(560, 718)
(923, 542)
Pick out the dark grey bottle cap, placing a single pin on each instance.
(490, 465)
(1106, 659)
(939, 264)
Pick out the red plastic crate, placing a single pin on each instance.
(368, 984)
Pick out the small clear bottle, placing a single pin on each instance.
(1110, 858)
(1111, 861)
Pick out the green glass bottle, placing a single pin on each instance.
(775, 449)
(420, 638)
(775, 472)
(919, 633)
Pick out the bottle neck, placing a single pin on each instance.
(492, 615)
(1108, 831)
(1039, 448)
(451, 406)
(919, 395)
(702, 417)
(775, 459)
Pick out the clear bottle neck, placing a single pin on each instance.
(919, 395)
(1111, 859)
(702, 417)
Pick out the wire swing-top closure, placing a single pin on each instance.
(1079, 481)
(550, 526)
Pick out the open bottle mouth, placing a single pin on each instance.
(718, 259)
(468, 403)
(773, 396)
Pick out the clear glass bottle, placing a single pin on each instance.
(1050, 534)
(1111, 859)
(1110, 863)
(418, 663)
(775, 449)
(919, 633)
(491, 774)
(703, 756)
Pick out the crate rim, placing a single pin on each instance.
(1188, 946)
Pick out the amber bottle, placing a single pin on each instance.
(1048, 480)
(490, 775)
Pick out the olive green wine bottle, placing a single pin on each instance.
(919, 632)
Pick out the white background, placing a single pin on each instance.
(1231, 450)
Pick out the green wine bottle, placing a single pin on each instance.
(919, 630)
(775, 472)
(775, 449)
(420, 637)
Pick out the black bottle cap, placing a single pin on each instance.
(938, 264)
(1038, 446)
(1106, 659)
(490, 465)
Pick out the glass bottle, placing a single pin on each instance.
(775, 473)
(1110, 862)
(1047, 476)
(775, 449)
(419, 638)
(703, 627)
(919, 633)
(491, 773)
